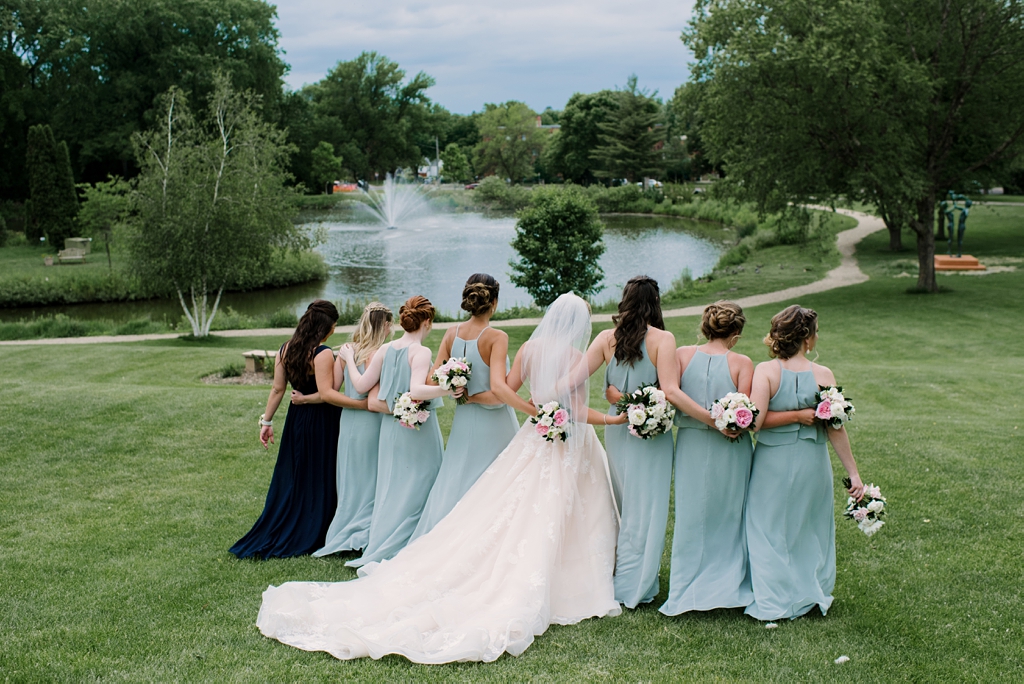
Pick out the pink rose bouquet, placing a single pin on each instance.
(453, 374)
(649, 412)
(734, 411)
(410, 413)
(867, 512)
(832, 407)
(551, 421)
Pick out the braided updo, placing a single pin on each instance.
(479, 294)
(790, 328)
(414, 312)
(722, 320)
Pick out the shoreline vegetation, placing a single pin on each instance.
(764, 254)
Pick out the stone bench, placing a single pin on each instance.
(256, 360)
(71, 256)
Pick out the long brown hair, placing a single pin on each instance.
(639, 307)
(312, 329)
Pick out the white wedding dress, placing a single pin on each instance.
(532, 543)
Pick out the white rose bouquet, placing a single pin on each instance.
(734, 411)
(552, 421)
(648, 411)
(867, 512)
(833, 408)
(410, 413)
(453, 374)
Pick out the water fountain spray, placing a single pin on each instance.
(395, 201)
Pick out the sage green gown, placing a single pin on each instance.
(408, 461)
(791, 531)
(479, 433)
(709, 545)
(641, 472)
(358, 443)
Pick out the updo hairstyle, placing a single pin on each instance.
(790, 328)
(415, 310)
(722, 320)
(479, 294)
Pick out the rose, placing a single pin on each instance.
(874, 492)
(876, 506)
(869, 527)
(460, 381)
(744, 417)
(547, 421)
(824, 410)
(561, 417)
(717, 410)
(422, 416)
(860, 514)
(542, 429)
(637, 415)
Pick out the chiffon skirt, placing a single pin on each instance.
(302, 496)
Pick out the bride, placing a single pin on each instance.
(532, 543)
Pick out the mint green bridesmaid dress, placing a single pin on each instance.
(408, 461)
(358, 443)
(479, 433)
(641, 472)
(791, 531)
(709, 545)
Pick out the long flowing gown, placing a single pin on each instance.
(642, 479)
(791, 529)
(408, 461)
(709, 545)
(531, 544)
(479, 433)
(302, 495)
(358, 442)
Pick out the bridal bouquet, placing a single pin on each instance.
(832, 408)
(409, 412)
(453, 374)
(648, 412)
(734, 411)
(868, 511)
(552, 421)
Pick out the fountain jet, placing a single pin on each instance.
(395, 201)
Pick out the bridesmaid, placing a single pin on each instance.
(408, 460)
(483, 426)
(790, 520)
(641, 469)
(709, 546)
(302, 496)
(358, 441)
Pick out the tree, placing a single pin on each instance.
(372, 115)
(326, 167)
(511, 141)
(559, 243)
(212, 202)
(54, 203)
(105, 205)
(891, 102)
(456, 166)
(569, 152)
(630, 137)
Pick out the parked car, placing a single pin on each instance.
(472, 186)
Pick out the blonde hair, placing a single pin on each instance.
(371, 332)
(723, 319)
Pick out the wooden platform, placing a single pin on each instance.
(961, 263)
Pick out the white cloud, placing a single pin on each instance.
(535, 51)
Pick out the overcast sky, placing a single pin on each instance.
(536, 51)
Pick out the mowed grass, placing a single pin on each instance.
(124, 480)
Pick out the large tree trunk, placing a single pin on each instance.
(895, 238)
(926, 243)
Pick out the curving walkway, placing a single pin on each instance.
(845, 274)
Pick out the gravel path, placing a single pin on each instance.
(846, 273)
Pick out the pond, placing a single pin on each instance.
(433, 255)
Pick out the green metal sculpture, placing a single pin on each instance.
(948, 206)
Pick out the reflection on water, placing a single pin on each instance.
(433, 256)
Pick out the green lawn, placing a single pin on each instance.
(125, 480)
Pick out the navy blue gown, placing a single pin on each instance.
(303, 493)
